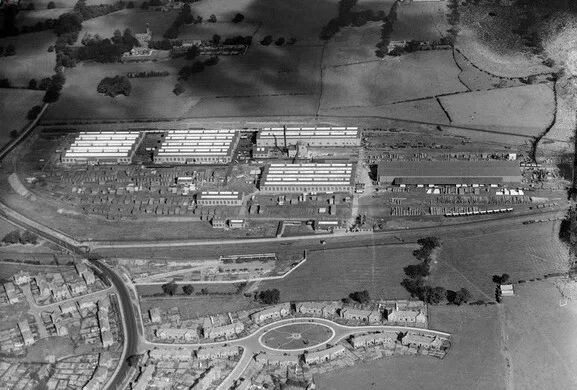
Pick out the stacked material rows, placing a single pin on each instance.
(102, 147)
(198, 146)
(308, 178)
(223, 198)
(312, 136)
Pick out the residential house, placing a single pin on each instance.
(277, 360)
(210, 376)
(60, 293)
(229, 330)
(330, 310)
(44, 287)
(26, 333)
(217, 352)
(311, 308)
(155, 316)
(61, 329)
(274, 312)
(86, 273)
(68, 307)
(78, 288)
(86, 304)
(407, 316)
(144, 378)
(177, 334)
(324, 355)
(107, 339)
(21, 278)
(11, 293)
(170, 354)
(419, 340)
(371, 316)
(373, 339)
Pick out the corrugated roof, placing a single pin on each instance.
(457, 169)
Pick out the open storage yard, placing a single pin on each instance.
(475, 350)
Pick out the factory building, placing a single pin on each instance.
(104, 147)
(306, 178)
(198, 147)
(403, 173)
(312, 136)
(219, 198)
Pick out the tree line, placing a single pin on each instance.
(14, 237)
(346, 17)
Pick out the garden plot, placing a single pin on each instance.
(393, 80)
(422, 21)
(136, 20)
(526, 110)
(14, 105)
(333, 274)
(32, 59)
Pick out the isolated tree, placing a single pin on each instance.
(28, 238)
(130, 5)
(360, 296)
(50, 48)
(133, 360)
(266, 40)
(204, 291)
(114, 86)
(212, 19)
(14, 134)
(192, 52)
(144, 5)
(462, 296)
(211, 61)
(12, 238)
(215, 39)
(269, 297)
(4, 83)
(33, 113)
(501, 279)
(32, 84)
(170, 288)
(279, 42)
(292, 41)
(178, 90)
(188, 289)
(31, 7)
(51, 5)
(238, 18)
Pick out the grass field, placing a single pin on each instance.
(526, 110)
(391, 80)
(28, 18)
(525, 252)
(474, 361)
(423, 21)
(32, 59)
(134, 19)
(333, 274)
(205, 31)
(199, 306)
(43, 4)
(541, 337)
(353, 45)
(14, 105)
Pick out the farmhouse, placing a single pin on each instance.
(373, 339)
(103, 147)
(217, 352)
(283, 137)
(219, 198)
(448, 172)
(338, 177)
(324, 355)
(229, 330)
(198, 146)
(274, 312)
(277, 360)
(371, 316)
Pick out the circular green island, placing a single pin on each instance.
(296, 336)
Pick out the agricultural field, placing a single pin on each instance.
(32, 59)
(200, 306)
(526, 110)
(392, 80)
(43, 4)
(541, 333)
(524, 252)
(560, 136)
(134, 19)
(422, 21)
(377, 269)
(353, 45)
(476, 346)
(14, 105)
(28, 18)
(205, 31)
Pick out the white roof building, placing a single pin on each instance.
(198, 146)
(308, 177)
(312, 136)
(102, 147)
(219, 198)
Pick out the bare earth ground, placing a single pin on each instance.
(526, 110)
(541, 337)
(376, 269)
(32, 59)
(14, 105)
(474, 361)
(523, 252)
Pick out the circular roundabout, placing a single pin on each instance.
(297, 336)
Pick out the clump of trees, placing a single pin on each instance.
(386, 30)
(188, 289)
(186, 71)
(212, 19)
(238, 40)
(266, 40)
(34, 112)
(14, 237)
(178, 89)
(346, 17)
(53, 87)
(152, 73)
(8, 51)
(5, 83)
(185, 16)
(170, 288)
(114, 86)
(360, 296)
(269, 297)
(238, 18)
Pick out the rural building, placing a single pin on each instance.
(327, 226)
(26, 333)
(170, 354)
(281, 137)
(274, 312)
(277, 360)
(198, 147)
(103, 147)
(373, 339)
(304, 178)
(507, 290)
(421, 340)
(216, 352)
(229, 330)
(324, 355)
(236, 223)
(219, 198)
(448, 172)
(21, 278)
(371, 316)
